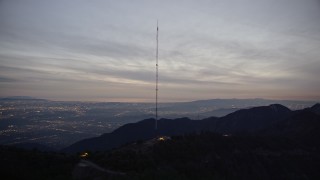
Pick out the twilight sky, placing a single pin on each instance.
(104, 50)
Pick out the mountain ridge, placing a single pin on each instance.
(252, 120)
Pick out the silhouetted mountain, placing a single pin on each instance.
(302, 125)
(142, 130)
(35, 146)
(17, 163)
(242, 121)
(213, 156)
(316, 108)
(252, 120)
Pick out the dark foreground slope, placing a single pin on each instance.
(287, 149)
(142, 130)
(242, 121)
(213, 156)
(301, 125)
(20, 164)
(203, 155)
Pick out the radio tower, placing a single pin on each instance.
(157, 69)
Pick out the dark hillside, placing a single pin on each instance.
(212, 156)
(142, 130)
(316, 108)
(252, 120)
(242, 121)
(303, 125)
(20, 164)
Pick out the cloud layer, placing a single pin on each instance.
(105, 50)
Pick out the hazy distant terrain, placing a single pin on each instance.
(59, 124)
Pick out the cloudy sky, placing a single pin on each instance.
(104, 50)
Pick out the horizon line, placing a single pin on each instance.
(144, 101)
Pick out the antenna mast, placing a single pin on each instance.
(157, 69)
